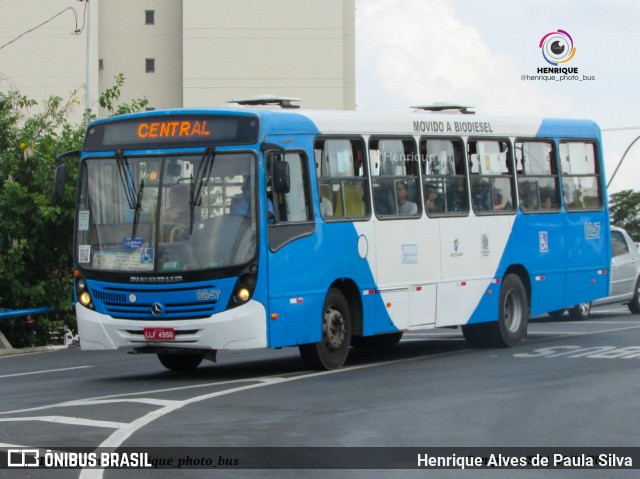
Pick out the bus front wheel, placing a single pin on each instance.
(332, 350)
(180, 362)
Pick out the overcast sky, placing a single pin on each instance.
(475, 52)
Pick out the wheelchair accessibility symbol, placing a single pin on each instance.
(147, 255)
(544, 241)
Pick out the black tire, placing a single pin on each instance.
(475, 334)
(180, 362)
(557, 314)
(513, 318)
(388, 340)
(580, 312)
(634, 305)
(332, 350)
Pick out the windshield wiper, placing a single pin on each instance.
(137, 208)
(134, 198)
(199, 182)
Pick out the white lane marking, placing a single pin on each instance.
(118, 437)
(122, 396)
(92, 402)
(46, 371)
(587, 333)
(76, 421)
(13, 446)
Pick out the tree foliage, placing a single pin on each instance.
(624, 209)
(36, 234)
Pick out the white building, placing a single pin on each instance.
(182, 52)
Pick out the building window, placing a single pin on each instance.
(149, 17)
(150, 65)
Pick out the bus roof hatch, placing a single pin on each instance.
(260, 100)
(444, 106)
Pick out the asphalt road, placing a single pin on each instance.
(568, 384)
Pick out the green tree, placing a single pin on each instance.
(36, 233)
(624, 209)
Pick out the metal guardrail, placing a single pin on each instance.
(15, 313)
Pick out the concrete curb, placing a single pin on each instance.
(36, 349)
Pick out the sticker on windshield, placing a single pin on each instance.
(84, 253)
(147, 256)
(83, 220)
(132, 243)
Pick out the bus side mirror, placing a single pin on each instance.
(61, 173)
(281, 178)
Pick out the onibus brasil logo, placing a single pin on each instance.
(557, 47)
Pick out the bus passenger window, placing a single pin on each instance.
(444, 177)
(492, 181)
(395, 177)
(342, 179)
(580, 176)
(538, 189)
(294, 205)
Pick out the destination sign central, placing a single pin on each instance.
(173, 129)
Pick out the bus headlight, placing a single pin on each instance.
(243, 295)
(84, 298)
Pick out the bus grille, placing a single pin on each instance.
(178, 302)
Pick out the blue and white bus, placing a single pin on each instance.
(243, 227)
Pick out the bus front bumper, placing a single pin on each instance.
(244, 327)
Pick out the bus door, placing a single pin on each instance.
(587, 221)
(346, 237)
(288, 215)
(405, 246)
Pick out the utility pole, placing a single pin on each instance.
(89, 60)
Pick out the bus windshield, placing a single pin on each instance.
(164, 213)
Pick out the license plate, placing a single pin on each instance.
(159, 334)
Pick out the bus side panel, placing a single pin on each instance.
(539, 245)
(587, 236)
(474, 252)
(588, 257)
(301, 273)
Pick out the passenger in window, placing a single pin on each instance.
(481, 196)
(547, 203)
(405, 207)
(326, 208)
(457, 196)
(431, 199)
(178, 211)
(500, 201)
(530, 203)
(241, 204)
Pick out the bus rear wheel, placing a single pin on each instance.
(332, 350)
(180, 362)
(513, 318)
(580, 312)
(387, 340)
